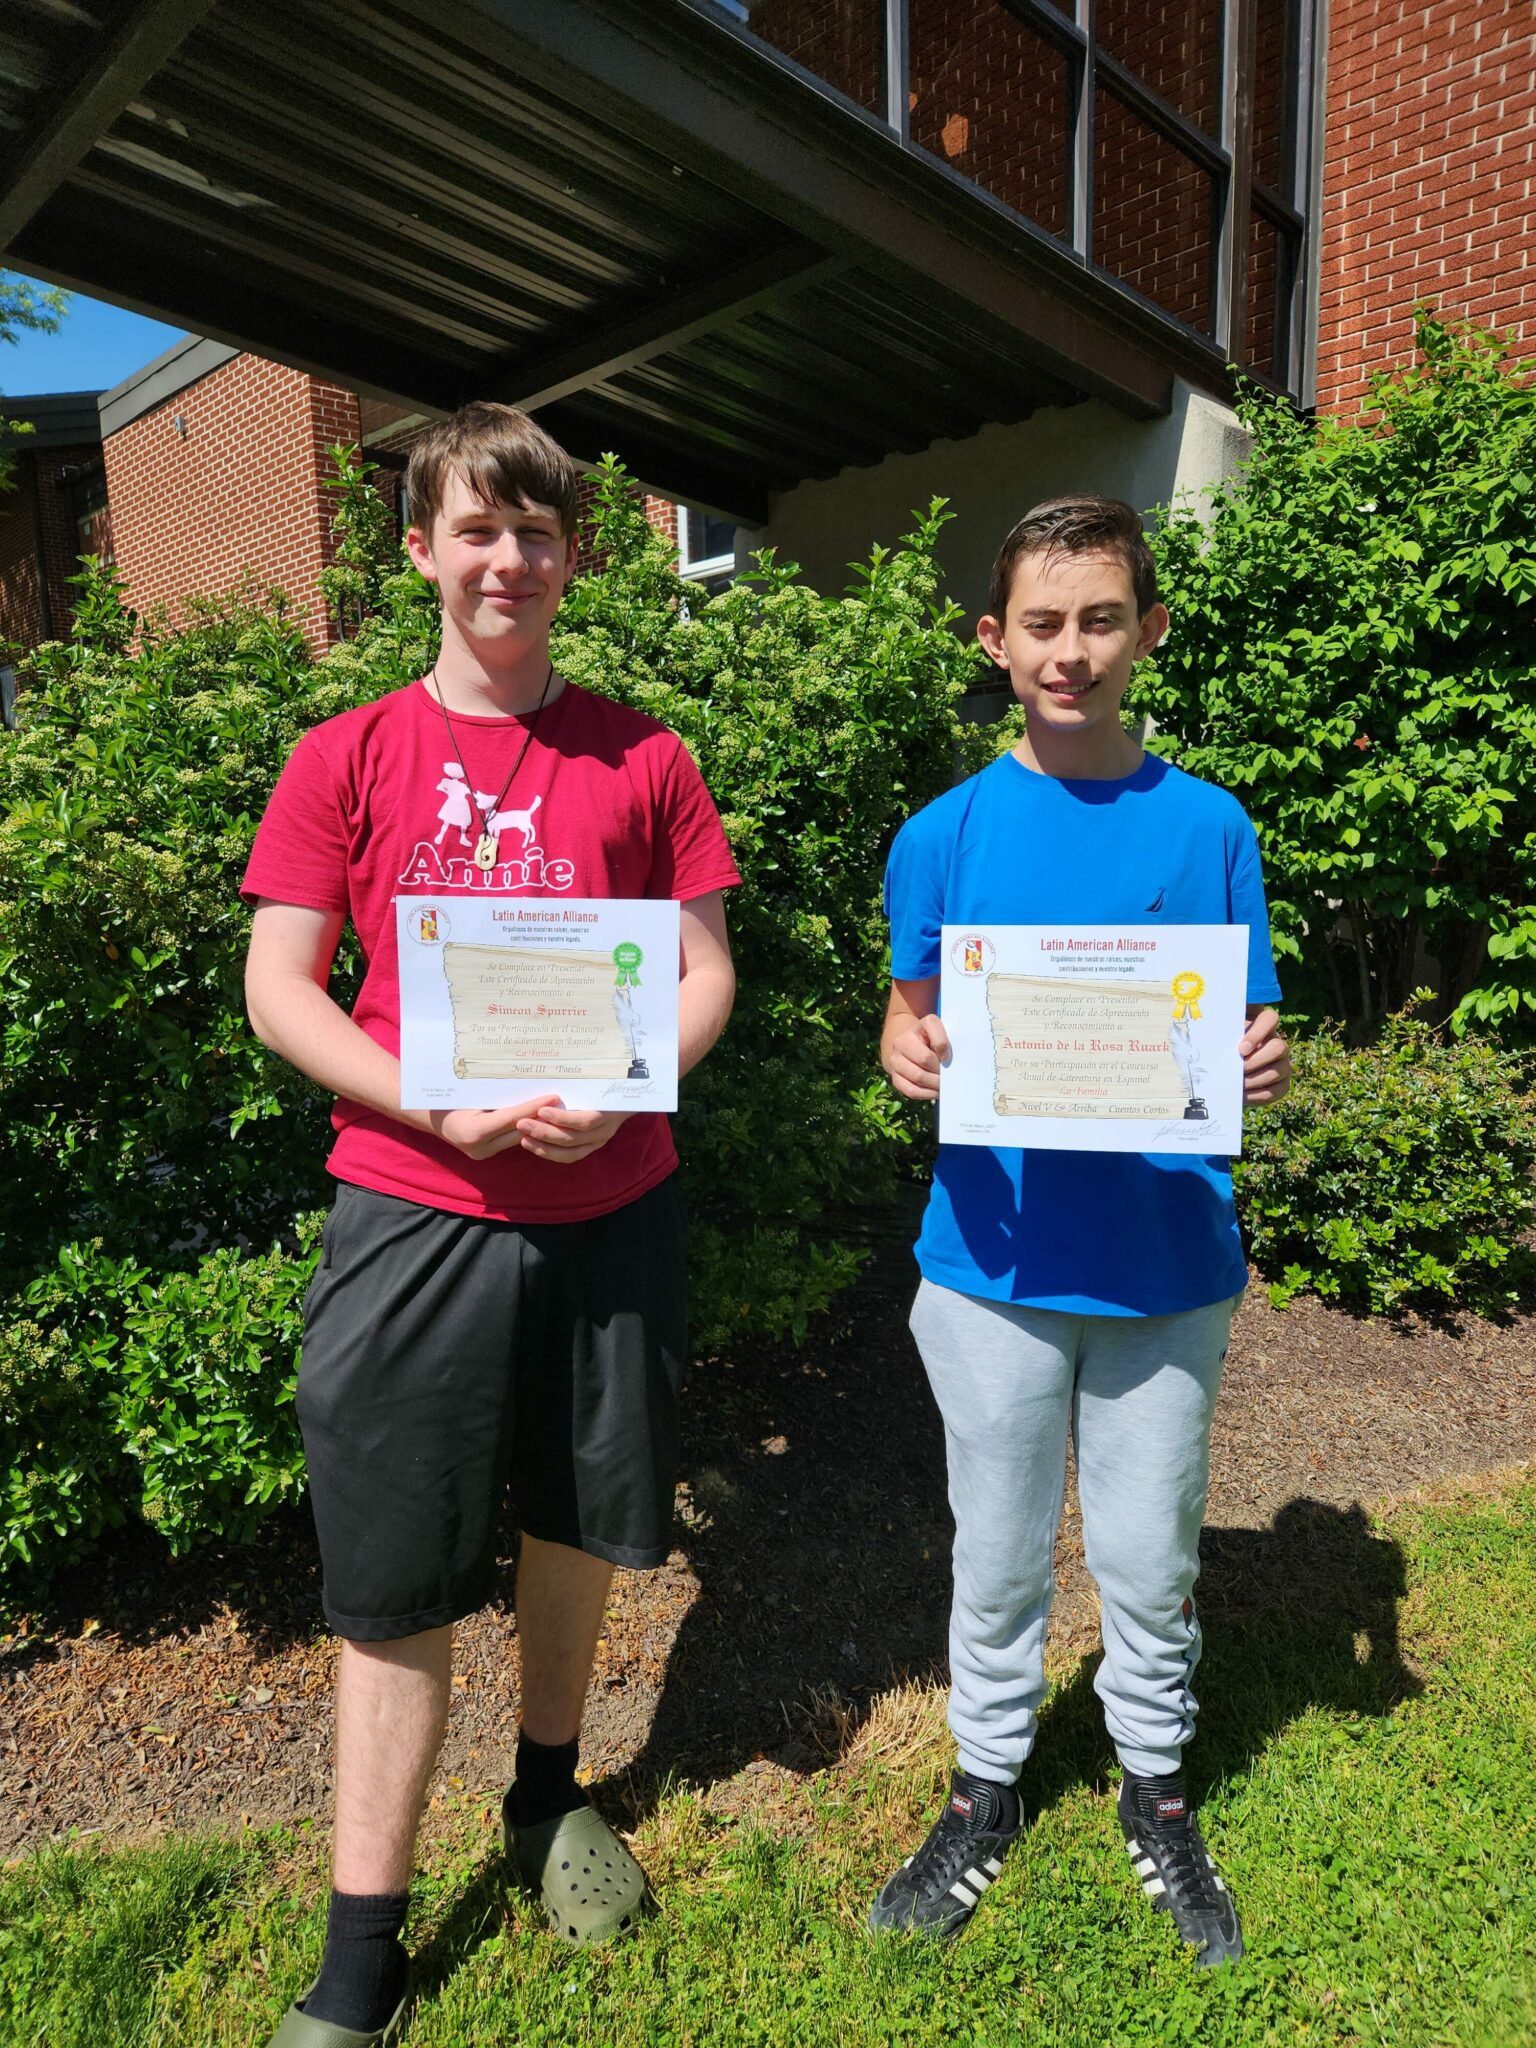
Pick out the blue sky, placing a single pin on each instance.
(97, 346)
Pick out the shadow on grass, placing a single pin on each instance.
(476, 1913)
(820, 1535)
(823, 1557)
(1297, 1616)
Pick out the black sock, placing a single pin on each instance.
(363, 1973)
(545, 1785)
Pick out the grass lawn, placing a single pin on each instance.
(1371, 1798)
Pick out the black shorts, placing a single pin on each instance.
(450, 1361)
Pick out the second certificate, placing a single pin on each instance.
(1094, 1038)
(502, 998)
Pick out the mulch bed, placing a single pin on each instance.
(811, 1567)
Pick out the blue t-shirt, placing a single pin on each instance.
(1091, 1233)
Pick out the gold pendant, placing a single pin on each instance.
(485, 850)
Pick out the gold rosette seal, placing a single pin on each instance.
(1188, 988)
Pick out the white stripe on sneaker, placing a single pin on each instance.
(958, 1890)
(994, 1866)
(1146, 1867)
(1153, 1887)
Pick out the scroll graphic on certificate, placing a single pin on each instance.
(502, 998)
(1094, 1038)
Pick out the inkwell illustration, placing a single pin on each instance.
(627, 957)
(1188, 988)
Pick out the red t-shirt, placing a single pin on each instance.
(606, 803)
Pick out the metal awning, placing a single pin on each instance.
(619, 214)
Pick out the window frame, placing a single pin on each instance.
(707, 568)
(1227, 157)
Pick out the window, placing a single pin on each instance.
(841, 41)
(990, 97)
(1170, 144)
(706, 547)
(85, 489)
(1154, 213)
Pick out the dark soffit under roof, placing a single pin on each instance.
(634, 223)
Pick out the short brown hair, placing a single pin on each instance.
(505, 457)
(1080, 525)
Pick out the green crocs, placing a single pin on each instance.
(298, 2030)
(591, 1886)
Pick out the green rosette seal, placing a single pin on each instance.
(627, 957)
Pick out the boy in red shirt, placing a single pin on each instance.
(500, 1302)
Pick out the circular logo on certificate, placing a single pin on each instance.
(427, 925)
(973, 955)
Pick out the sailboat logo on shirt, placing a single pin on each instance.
(446, 860)
(1156, 903)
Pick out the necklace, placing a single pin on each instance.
(485, 845)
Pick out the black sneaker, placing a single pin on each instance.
(937, 1890)
(1163, 1841)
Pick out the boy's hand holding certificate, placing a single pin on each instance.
(1094, 1038)
(503, 998)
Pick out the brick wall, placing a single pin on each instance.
(21, 609)
(41, 539)
(236, 497)
(1429, 178)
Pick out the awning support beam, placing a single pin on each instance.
(672, 323)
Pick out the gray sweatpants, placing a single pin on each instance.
(1138, 1393)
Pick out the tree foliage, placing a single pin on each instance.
(24, 306)
(1353, 653)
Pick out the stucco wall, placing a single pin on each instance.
(994, 477)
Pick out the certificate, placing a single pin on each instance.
(1094, 1038)
(506, 997)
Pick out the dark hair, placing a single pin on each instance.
(1080, 525)
(505, 457)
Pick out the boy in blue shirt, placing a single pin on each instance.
(1090, 1291)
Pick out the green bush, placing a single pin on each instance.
(167, 1398)
(148, 1142)
(60, 1465)
(135, 1103)
(1394, 1176)
(210, 1424)
(820, 724)
(1352, 655)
